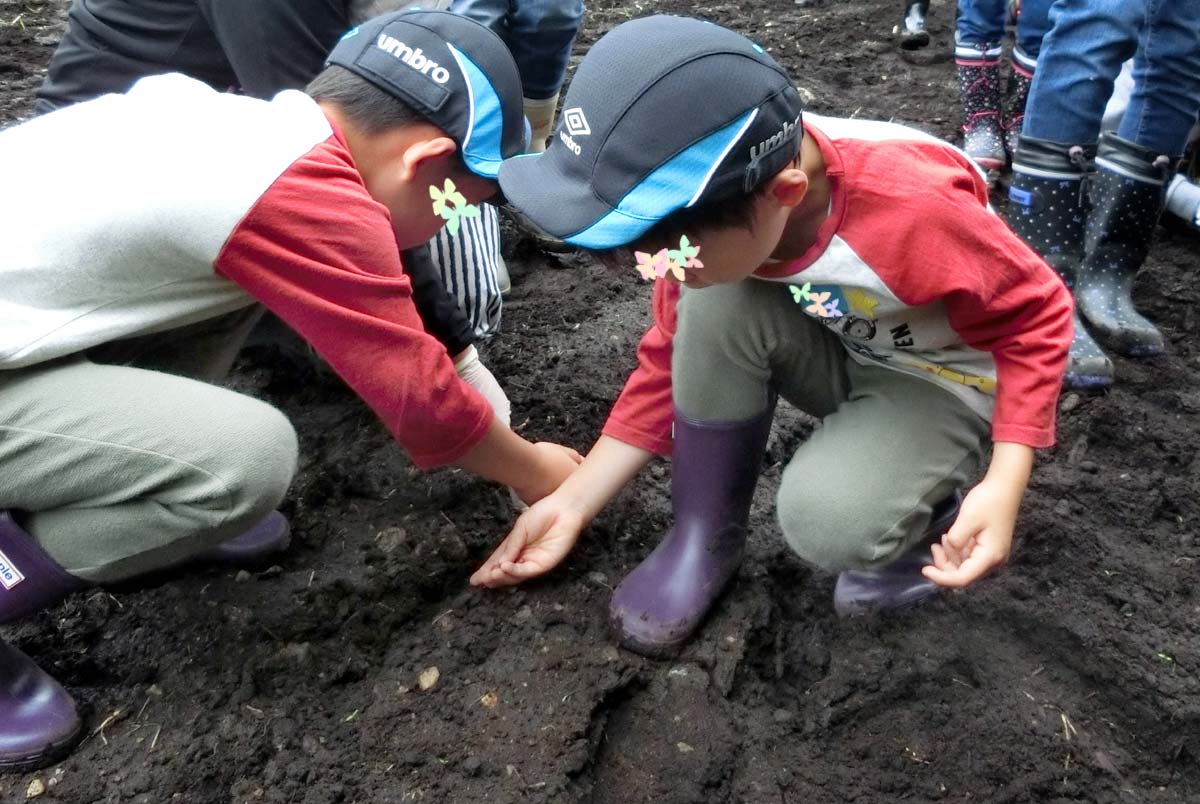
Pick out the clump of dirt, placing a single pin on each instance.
(1074, 675)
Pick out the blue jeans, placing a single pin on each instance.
(1082, 56)
(539, 33)
(981, 24)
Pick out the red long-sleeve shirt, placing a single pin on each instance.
(203, 203)
(914, 272)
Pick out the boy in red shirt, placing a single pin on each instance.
(851, 267)
(127, 281)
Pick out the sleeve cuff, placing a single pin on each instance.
(637, 437)
(475, 431)
(1035, 437)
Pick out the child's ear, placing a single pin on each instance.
(788, 187)
(424, 154)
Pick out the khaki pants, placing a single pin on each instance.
(118, 470)
(860, 491)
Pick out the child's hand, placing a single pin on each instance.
(981, 538)
(541, 539)
(553, 463)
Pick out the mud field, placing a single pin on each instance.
(1074, 675)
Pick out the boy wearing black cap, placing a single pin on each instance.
(885, 298)
(118, 271)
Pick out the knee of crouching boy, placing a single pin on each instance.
(269, 456)
(820, 537)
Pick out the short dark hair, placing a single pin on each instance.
(365, 105)
(729, 212)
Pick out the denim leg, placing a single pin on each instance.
(1079, 60)
(980, 22)
(492, 13)
(1032, 27)
(540, 36)
(1166, 78)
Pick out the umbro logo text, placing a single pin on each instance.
(413, 58)
(774, 142)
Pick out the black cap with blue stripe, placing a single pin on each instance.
(454, 71)
(663, 113)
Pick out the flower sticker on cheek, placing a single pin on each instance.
(669, 261)
(451, 205)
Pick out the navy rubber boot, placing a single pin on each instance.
(1127, 193)
(1047, 209)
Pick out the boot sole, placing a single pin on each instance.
(914, 41)
(54, 753)
(1086, 382)
(651, 650)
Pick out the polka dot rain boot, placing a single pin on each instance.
(979, 87)
(1047, 210)
(1127, 194)
(1017, 92)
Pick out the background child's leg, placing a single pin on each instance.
(141, 470)
(540, 35)
(737, 341)
(1166, 79)
(1031, 29)
(980, 28)
(1080, 58)
(860, 491)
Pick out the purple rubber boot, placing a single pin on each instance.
(40, 724)
(714, 469)
(899, 584)
(270, 536)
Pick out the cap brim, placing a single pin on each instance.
(563, 206)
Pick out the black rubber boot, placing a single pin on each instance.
(911, 29)
(1047, 209)
(1127, 193)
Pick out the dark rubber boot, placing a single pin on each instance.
(270, 536)
(1047, 210)
(1020, 78)
(39, 724)
(1127, 193)
(911, 29)
(983, 135)
(714, 469)
(899, 584)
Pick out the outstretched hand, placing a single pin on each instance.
(980, 539)
(541, 538)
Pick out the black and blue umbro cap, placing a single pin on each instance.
(457, 73)
(663, 112)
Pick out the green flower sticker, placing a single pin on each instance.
(451, 205)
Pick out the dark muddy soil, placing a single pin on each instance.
(1074, 675)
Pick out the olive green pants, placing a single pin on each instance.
(119, 468)
(890, 446)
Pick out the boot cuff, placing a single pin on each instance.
(1133, 161)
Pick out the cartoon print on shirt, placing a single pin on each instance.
(862, 329)
(853, 310)
(857, 323)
